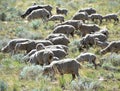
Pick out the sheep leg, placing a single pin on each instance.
(94, 64)
(73, 76)
(77, 74)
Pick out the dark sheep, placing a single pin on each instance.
(10, 47)
(88, 10)
(89, 57)
(94, 17)
(35, 7)
(64, 66)
(113, 46)
(110, 17)
(88, 29)
(65, 29)
(89, 40)
(39, 13)
(28, 46)
(80, 16)
(61, 11)
(60, 40)
(75, 23)
(56, 18)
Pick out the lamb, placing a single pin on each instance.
(80, 16)
(10, 47)
(42, 57)
(60, 40)
(50, 36)
(28, 46)
(88, 10)
(61, 11)
(96, 16)
(89, 57)
(111, 16)
(113, 46)
(39, 13)
(65, 29)
(56, 17)
(89, 40)
(35, 7)
(75, 23)
(64, 66)
(88, 29)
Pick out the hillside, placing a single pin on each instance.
(16, 75)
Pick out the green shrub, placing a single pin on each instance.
(31, 72)
(35, 24)
(3, 86)
(85, 84)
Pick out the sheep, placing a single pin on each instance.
(110, 17)
(28, 46)
(10, 47)
(80, 16)
(89, 40)
(57, 50)
(61, 11)
(39, 13)
(113, 46)
(35, 7)
(64, 66)
(50, 36)
(60, 40)
(65, 48)
(75, 23)
(101, 44)
(104, 31)
(89, 57)
(42, 57)
(96, 16)
(88, 10)
(88, 28)
(56, 17)
(65, 29)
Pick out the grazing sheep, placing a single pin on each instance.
(28, 46)
(65, 48)
(88, 10)
(89, 57)
(39, 13)
(80, 16)
(75, 23)
(61, 11)
(65, 29)
(104, 31)
(101, 44)
(50, 36)
(113, 46)
(57, 50)
(57, 17)
(60, 40)
(111, 16)
(10, 47)
(64, 66)
(42, 57)
(35, 7)
(96, 16)
(89, 40)
(88, 29)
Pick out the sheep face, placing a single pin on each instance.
(47, 70)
